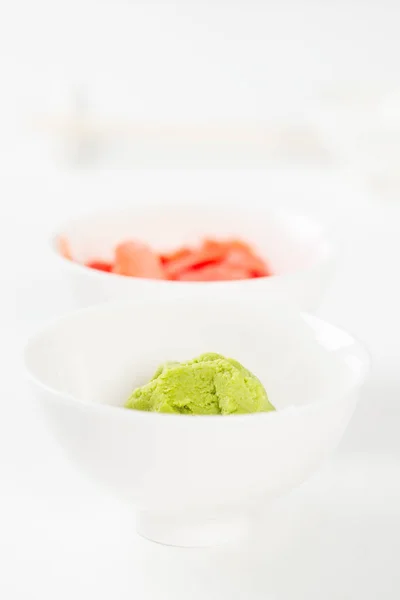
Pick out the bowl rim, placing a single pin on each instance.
(291, 410)
(326, 249)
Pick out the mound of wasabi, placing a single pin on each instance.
(208, 385)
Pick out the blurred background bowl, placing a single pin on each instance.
(360, 124)
(294, 247)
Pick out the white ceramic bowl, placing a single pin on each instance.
(294, 247)
(195, 479)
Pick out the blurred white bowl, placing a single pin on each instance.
(293, 246)
(361, 126)
(195, 480)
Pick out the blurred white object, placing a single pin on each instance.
(195, 480)
(362, 127)
(115, 135)
(113, 143)
(294, 247)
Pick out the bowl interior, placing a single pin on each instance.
(287, 242)
(99, 355)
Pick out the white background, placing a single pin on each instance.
(336, 537)
(155, 62)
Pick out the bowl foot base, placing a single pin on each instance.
(192, 529)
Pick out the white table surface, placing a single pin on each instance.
(336, 537)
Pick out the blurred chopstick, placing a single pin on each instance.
(252, 132)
